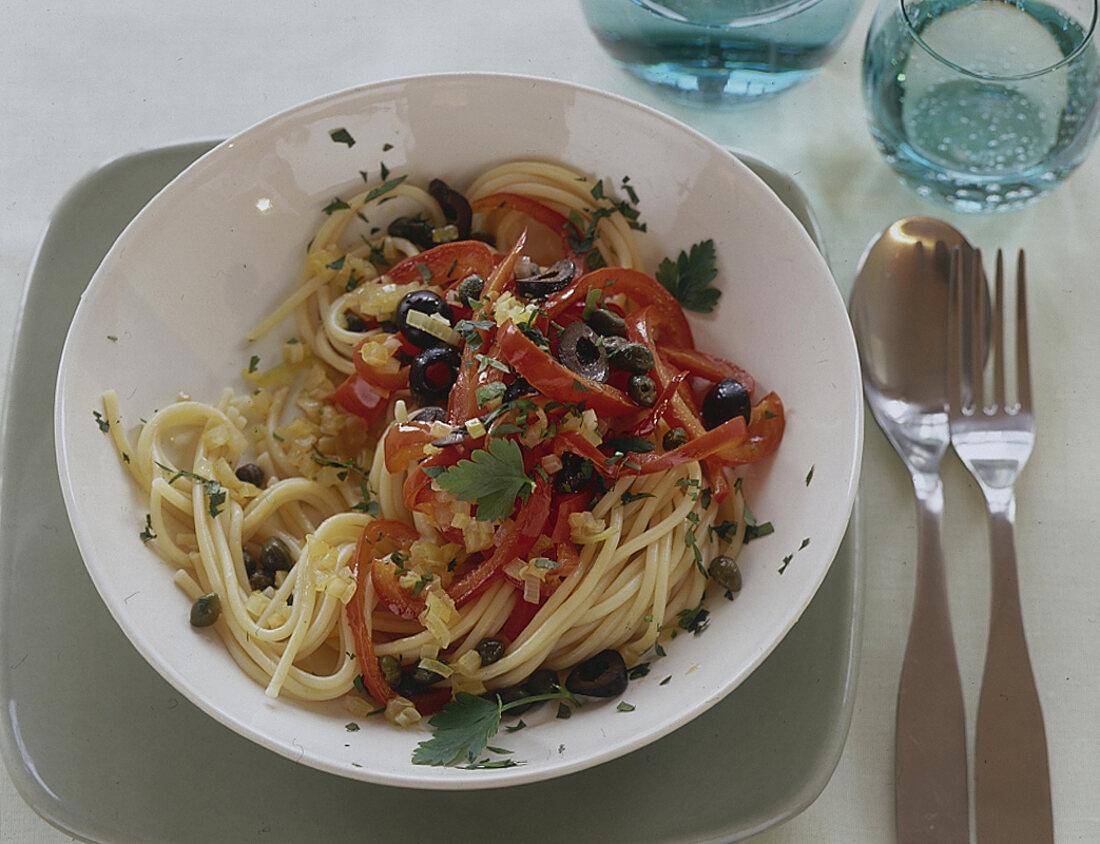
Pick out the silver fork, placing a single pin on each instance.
(994, 440)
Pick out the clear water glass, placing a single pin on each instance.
(721, 53)
(983, 105)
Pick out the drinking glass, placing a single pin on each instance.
(721, 53)
(984, 105)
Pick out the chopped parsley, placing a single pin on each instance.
(384, 188)
(148, 533)
(689, 277)
(625, 707)
(103, 424)
(337, 204)
(342, 136)
(694, 621)
(493, 478)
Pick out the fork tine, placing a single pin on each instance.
(976, 370)
(1023, 365)
(955, 332)
(999, 334)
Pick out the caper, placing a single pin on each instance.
(604, 675)
(205, 610)
(275, 555)
(631, 357)
(674, 438)
(725, 572)
(424, 676)
(574, 474)
(250, 473)
(354, 322)
(259, 580)
(469, 289)
(607, 322)
(390, 666)
(642, 389)
(490, 650)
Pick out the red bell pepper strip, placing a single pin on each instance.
(708, 367)
(385, 381)
(503, 273)
(359, 398)
(553, 220)
(530, 523)
(399, 601)
(443, 264)
(519, 618)
(766, 427)
(373, 678)
(557, 381)
(640, 288)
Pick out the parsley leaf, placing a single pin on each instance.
(462, 729)
(689, 277)
(494, 479)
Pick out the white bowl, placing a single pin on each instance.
(168, 308)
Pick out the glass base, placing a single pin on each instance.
(729, 88)
(968, 193)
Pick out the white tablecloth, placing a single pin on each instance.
(84, 81)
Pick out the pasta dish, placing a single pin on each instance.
(489, 461)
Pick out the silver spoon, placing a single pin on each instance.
(898, 308)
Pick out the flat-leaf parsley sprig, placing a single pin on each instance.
(689, 277)
(464, 727)
(493, 477)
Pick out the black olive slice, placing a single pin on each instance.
(455, 206)
(433, 372)
(550, 280)
(725, 400)
(580, 350)
(427, 302)
(604, 675)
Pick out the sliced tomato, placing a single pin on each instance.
(556, 381)
(358, 397)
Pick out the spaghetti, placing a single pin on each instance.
(473, 462)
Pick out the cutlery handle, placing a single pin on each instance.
(930, 773)
(1012, 774)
